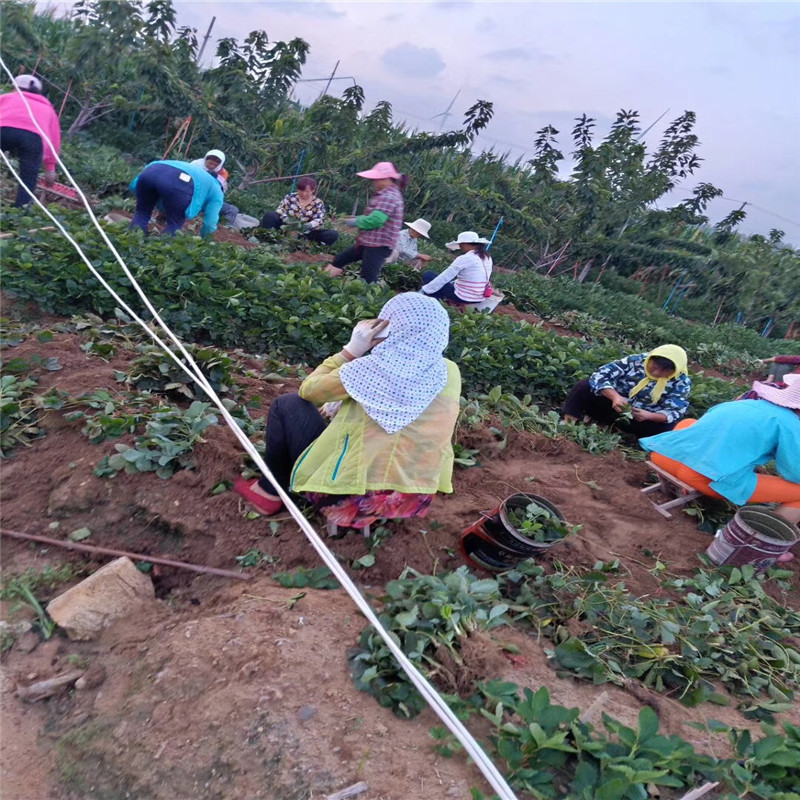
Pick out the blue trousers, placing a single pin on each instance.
(27, 147)
(161, 182)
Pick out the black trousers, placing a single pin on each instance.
(582, 401)
(292, 425)
(162, 182)
(371, 259)
(27, 147)
(272, 219)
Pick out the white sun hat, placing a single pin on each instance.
(421, 226)
(788, 397)
(466, 237)
(28, 83)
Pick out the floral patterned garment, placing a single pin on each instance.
(291, 207)
(356, 511)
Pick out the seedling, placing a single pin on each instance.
(540, 524)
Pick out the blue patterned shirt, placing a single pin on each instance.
(624, 374)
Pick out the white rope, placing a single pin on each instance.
(443, 711)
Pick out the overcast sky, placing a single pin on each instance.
(737, 65)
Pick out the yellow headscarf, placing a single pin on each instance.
(677, 355)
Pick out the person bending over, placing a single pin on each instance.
(719, 453)
(379, 226)
(184, 190)
(654, 387)
(388, 449)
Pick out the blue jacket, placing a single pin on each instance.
(730, 440)
(207, 196)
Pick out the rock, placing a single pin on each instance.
(92, 678)
(306, 712)
(28, 642)
(116, 590)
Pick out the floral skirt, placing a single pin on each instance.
(358, 511)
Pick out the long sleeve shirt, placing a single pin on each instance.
(624, 374)
(291, 207)
(389, 201)
(13, 114)
(407, 249)
(469, 274)
(206, 194)
(730, 440)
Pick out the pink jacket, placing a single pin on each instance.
(13, 114)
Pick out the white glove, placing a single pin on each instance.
(361, 340)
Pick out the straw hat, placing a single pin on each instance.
(788, 397)
(383, 169)
(466, 237)
(421, 226)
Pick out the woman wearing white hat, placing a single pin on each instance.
(718, 454)
(20, 110)
(407, 250)
(378, 227)
(468, 278)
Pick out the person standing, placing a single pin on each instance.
(379, 226)
(303, 206)
(20, 137)
(184, 189)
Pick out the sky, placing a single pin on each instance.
(736, 64)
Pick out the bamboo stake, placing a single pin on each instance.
(107, 551)
(64, 101)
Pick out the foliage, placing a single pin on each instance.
(166, 445)
(18, 421)
(155, 371)
(548, 751)
(23, 588)
(255, 558)
(540, 524)
(303, 577)
(722, 626)
(429, 616)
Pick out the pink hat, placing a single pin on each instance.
(788, 397)
(383, 169)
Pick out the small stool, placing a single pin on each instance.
(333, 531)
(679, 492)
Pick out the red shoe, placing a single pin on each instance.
(261, 504)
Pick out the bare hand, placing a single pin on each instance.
(334, 272)
(640, 415)
(424, 257)
(619, 403)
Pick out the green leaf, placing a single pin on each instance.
(80, 534)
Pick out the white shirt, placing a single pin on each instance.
(407, 249)
(470, 275)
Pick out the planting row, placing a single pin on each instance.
(218, 294)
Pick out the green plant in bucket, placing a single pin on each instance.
(540, 524)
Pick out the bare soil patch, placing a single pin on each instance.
(241, 690)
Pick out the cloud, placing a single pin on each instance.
(410, 61)
(451, 5)
(503, 81)
(313, 8)
(521, 54)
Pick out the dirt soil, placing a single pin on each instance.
(224, 690)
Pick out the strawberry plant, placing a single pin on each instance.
(539, 524)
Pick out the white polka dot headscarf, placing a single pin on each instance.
(398, 380)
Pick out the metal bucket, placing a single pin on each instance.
(756, 535)
(493, 543)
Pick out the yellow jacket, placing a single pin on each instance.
(355, 455)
